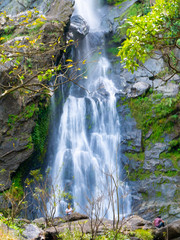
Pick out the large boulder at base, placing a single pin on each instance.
(4, 229)
(32, 232)
(78, 28)
(136, 222)
(171, 231)
(75, 217)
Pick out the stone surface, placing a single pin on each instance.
(75, 217)
(78, 28)
(169, 90)
(86, 225)
(138, 89)
(171, 231)
(61, 10)
(13, 7)
(155, 151)
(109, 14)
(136, 222)
(32, 232)
(152, 190)
(14, 138)
(15, 133)
(62, 7)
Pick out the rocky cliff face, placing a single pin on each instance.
(17, 112)
(149, 113)
(152, 166)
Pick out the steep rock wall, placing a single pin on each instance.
(149, 114)
(18, 113)
(149, 130)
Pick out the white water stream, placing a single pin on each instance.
(89, 133)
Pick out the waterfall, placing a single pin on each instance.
(88, 155)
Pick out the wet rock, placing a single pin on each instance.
(109, 15)
(131, 137)
(78, 28)
(96, 39)
(149, 134)
(169, 90)
(140, 81)
(155, 151)
(138, 89)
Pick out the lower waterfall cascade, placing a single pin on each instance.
(88, 151)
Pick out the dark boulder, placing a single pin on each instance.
(78, 28)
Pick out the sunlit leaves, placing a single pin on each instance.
(69, 60)
(31, 60)
(149, 32)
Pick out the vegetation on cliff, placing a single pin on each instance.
(31, 47)
(158, 30)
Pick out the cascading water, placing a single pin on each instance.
(88, 155)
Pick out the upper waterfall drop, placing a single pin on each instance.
(86, 9)
(88, 153)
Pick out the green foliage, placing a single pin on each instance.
(113, 50)
(17, 226)
(158, 194)
(154, 112)
(144, 31)
(137, 9)
(73, 235)
(144, 196)
(143, 234)
(175, 143)
(108, 235)
(14, 200)
(136, 156)
(29, 50)
(27, 113)
(36, 27)
(111, 234)
(138, 174)
(168, 173)
(47, 194)
(173, 156)
(40, 131)
(115, 2)
(17, 184)
(9, 29)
